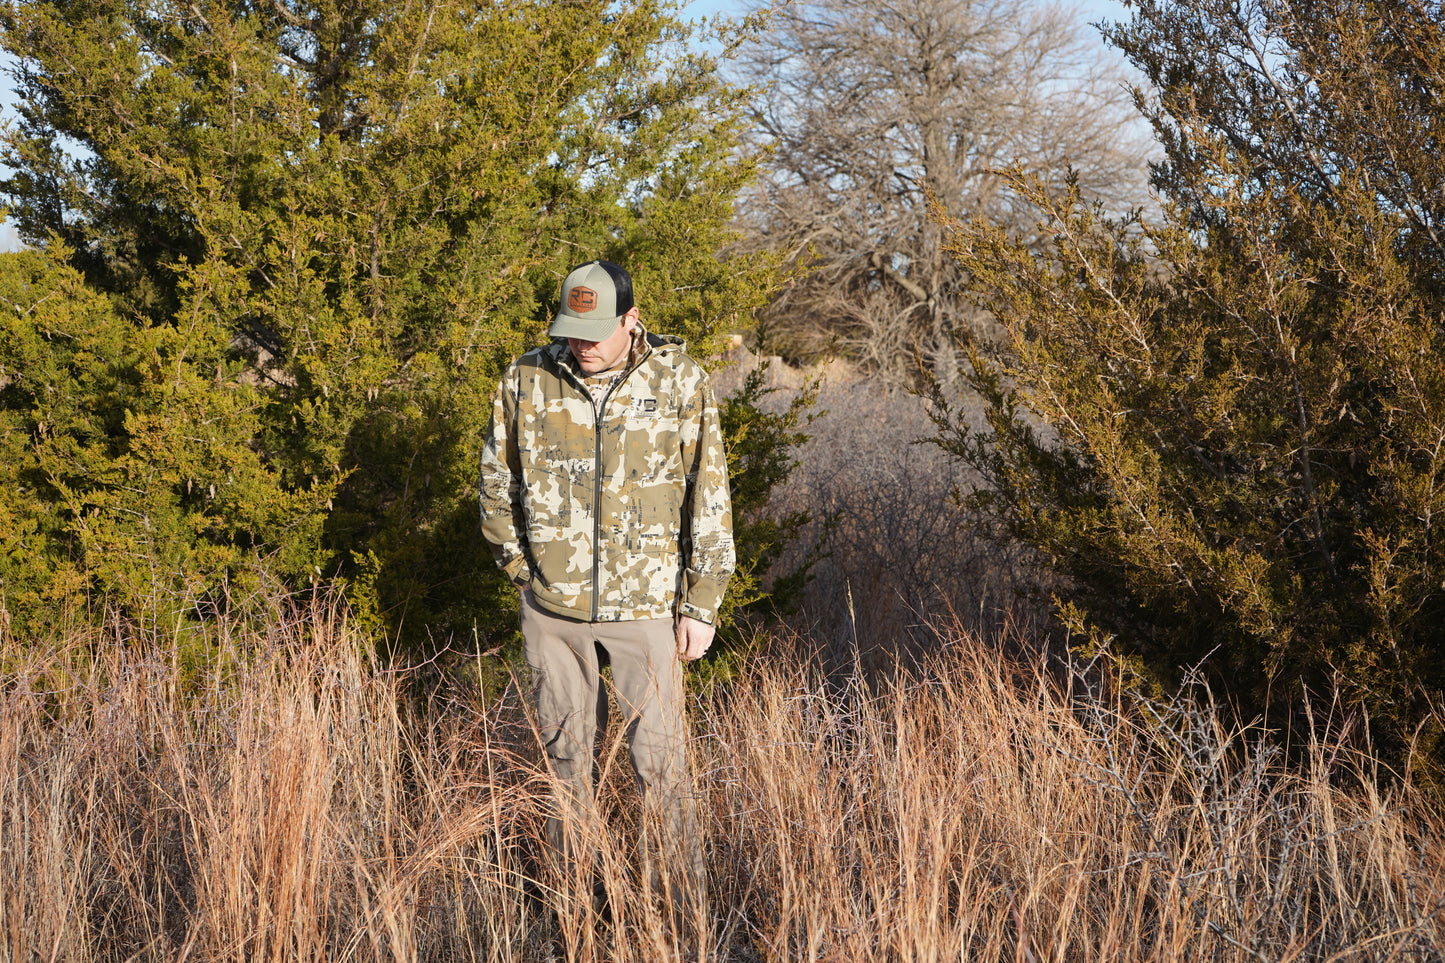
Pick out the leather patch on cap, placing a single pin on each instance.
(581, 299)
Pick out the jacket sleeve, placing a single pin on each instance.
(500, 488)
(710, 557)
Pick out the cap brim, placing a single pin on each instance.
(585, 329)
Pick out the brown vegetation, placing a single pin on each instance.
(892, 543)
(266, 794)
(896, 546)
(880, 115)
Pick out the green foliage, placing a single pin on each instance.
(1228, 428)
(126, 457)
(360, 211)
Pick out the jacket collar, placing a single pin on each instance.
(643, 344)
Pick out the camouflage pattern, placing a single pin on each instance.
(614, 517)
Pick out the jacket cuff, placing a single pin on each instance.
(701, 595)
(518, 571)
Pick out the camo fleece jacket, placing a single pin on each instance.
(611, 517)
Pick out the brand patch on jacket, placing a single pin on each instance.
(644, 407)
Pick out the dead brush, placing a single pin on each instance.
(985, 810)
(262, 791)
(266, 792)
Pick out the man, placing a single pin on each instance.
(604, 496)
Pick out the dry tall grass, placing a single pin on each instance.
(266, 794)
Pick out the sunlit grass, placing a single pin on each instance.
(264, 792)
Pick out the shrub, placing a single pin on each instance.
(1225, 429)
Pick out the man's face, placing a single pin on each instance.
(597, 356)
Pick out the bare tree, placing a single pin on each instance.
(876, 109)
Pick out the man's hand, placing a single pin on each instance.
(693, 637)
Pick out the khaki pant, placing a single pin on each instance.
(571, 708)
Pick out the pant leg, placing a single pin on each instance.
(570, 707)
(649, 682)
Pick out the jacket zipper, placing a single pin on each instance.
(598, 411)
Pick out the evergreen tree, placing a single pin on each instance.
(355, 213)
(125, 457)
(1228, 428)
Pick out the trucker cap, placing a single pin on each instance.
(595, 297)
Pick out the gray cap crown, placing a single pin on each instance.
(595, 297)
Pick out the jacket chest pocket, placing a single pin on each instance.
(554, 478)
(652, 453)
(651, 415)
